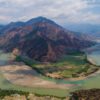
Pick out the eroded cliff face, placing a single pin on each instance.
(41, 39)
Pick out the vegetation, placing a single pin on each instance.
(8, 93)
(4, 93)
(6, 85)
(68, 66)
(92, 94)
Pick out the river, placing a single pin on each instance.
(88, 83)
(93, 81)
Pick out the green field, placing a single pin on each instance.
(6, 85)
(77, 63)
(68, 66)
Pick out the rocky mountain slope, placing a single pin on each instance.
(41, 39)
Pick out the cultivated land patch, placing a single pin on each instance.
(12, 76)
(69, 66)
(26, 76)
(5, 84)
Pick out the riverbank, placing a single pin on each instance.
(20, 95)
(85, 77)
(7, 85)
(19, 76)
(94, 57)
(24, 75)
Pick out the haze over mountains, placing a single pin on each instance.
(88, 29)
(41, 39)
(1, 26)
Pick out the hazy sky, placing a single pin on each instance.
(62, 11)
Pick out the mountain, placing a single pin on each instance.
(41, 39)
(88, 29)
(1, 26)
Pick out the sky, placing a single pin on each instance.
(61, 11)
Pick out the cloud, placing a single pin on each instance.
(62, 11)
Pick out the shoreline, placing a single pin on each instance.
(78, 78)
(83, 78)
(25, 76)
(11, 63)
(69, 79)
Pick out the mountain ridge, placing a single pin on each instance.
(41, 39)
(87, 29)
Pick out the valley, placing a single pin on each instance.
(67, 67)
(10, 80)
(49, 49)
(17, 76)
(41, 57)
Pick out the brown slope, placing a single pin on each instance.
(42, 40)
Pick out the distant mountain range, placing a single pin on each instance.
(1, 26)
(88, 29)
(41, 39)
